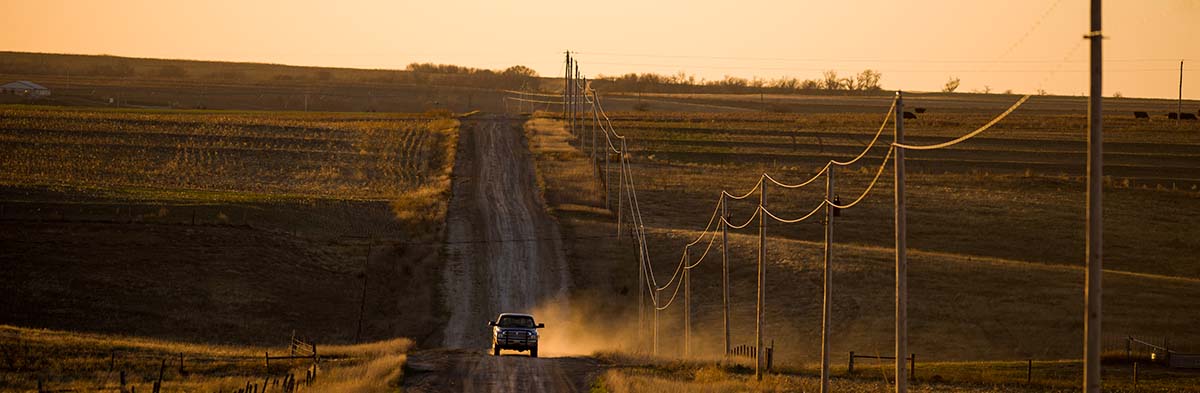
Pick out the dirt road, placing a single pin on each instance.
(504, 255)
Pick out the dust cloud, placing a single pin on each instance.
(580, 327)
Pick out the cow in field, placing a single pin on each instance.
(910, 115)
(1141, 115)
(1187, 116)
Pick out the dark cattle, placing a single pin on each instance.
(1187, 116)
(919, 110)
(1172, 115)
(910, 115)
(1141, 115)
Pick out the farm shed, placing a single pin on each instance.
(25, 88)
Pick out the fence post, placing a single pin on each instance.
(1128, 347)
(850, 369)
(770, 355)
(181, 364)
(912, 367)
(1029, 373)
(267, 361)
(1135, 376)
(161, 369)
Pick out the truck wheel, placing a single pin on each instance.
(495, 350)
(533, 352)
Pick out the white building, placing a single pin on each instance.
(25, 88)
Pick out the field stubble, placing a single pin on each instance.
(995, 232)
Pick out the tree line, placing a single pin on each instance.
(830, 82)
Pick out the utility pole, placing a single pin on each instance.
(825, 298)
(575, 103)
(725, 272)
(566, 83)
(1179, 104)
(687, 307)
(1095, 234)
(642, 289)
(901, 250)
(655, 322)
(759, 359)
(621, 189)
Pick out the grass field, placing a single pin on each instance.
(995, 228)
(66, 361)
(641, 374)
(223, 227)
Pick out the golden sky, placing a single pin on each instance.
(1023, 45)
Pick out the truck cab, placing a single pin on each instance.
(517, 332)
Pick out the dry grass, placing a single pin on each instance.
(81, 361)
(280, 154)
(995, 232)
(642, 374)
(226, 227)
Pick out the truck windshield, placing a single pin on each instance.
(509, 321)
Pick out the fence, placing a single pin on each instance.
(912, 363)
(119, 367)
(751, 352)
(1150, 349)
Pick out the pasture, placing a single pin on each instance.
(995, 228)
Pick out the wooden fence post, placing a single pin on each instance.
(912, 367)
(161, 368)
(1029, 373)
(850, 369)
(181, 372)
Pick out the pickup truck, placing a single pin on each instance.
(515, 332)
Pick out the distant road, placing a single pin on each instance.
(495, 205)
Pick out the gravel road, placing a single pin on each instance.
(504, 255)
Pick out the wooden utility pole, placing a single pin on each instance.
(575, 108)
(1179, 104)
(362, 300)
(759, 367)
(825, 298)
(725, 272)
(901, 250)
(1093, 287)
(566, 83)
(687, 307)
(642, 288)
(621, 191)
(655, 322)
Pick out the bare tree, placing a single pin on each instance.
(868, 80)
(951, 85)
(830, 80)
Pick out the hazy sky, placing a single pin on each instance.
(1021, 45)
